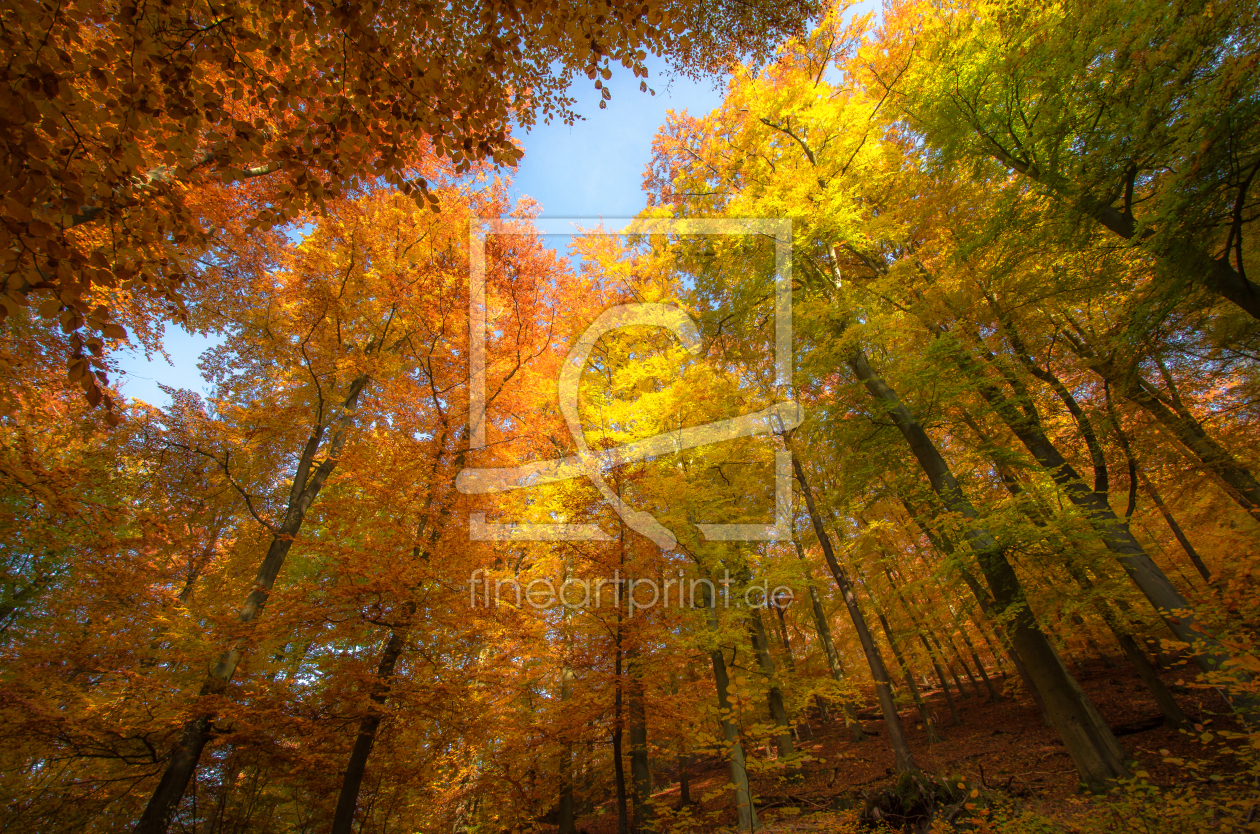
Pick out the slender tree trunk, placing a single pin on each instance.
(369, 724)
(566, 821)
(994, 695)
(1113, 531)
(953, 647)
(929, 726)
(1158, 500)
(829, 649)
(619, 767)
(640, 774)
(308, 480)
(746, 814)
(940, 676)
(778, 712)
(1090, 742)
(783, 636)
(904, 761)
(343, 819)
(933, 655)
(803, 730)
(684, 780)
(566, 809)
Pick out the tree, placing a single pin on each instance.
(1131, 115)
(122, 121)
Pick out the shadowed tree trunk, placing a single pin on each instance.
(778, 712)
(566, 820)
(640, 775)
(369, 725)
(308, 480)
(1158, 500)
(904, 761)
(994, 695)
(940, 676)
(684, 756)
(1089, 741)
(803, 730)
(929, 726)
(566, 809)
(746, 814)
(829, 649)
(931, 654)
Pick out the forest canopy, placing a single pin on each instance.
(896, 468)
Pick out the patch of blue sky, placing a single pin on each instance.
(587, 171)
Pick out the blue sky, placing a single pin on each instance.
(590, 170)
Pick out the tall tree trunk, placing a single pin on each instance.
(347, 801)
(829, 649)
(566, 809)
(1112, 530)
(746, 814)
(1089, 741)
(619, 766)
(940, 676)
(903, 759)
(994, 695)
(803, 730)
(684, 754)
(308, 480)
(566, 820)
(778, 712)
(684, 779)
(1158, 500)
(640, 775)
(783, 637)
(369, 724)
(933, 654)
(953, 647)
(929, 726)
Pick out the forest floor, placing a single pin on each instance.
(1004, 747)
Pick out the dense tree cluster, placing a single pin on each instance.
(1025, 349)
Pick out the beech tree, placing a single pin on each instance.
(1018, 436)
(122, 120)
